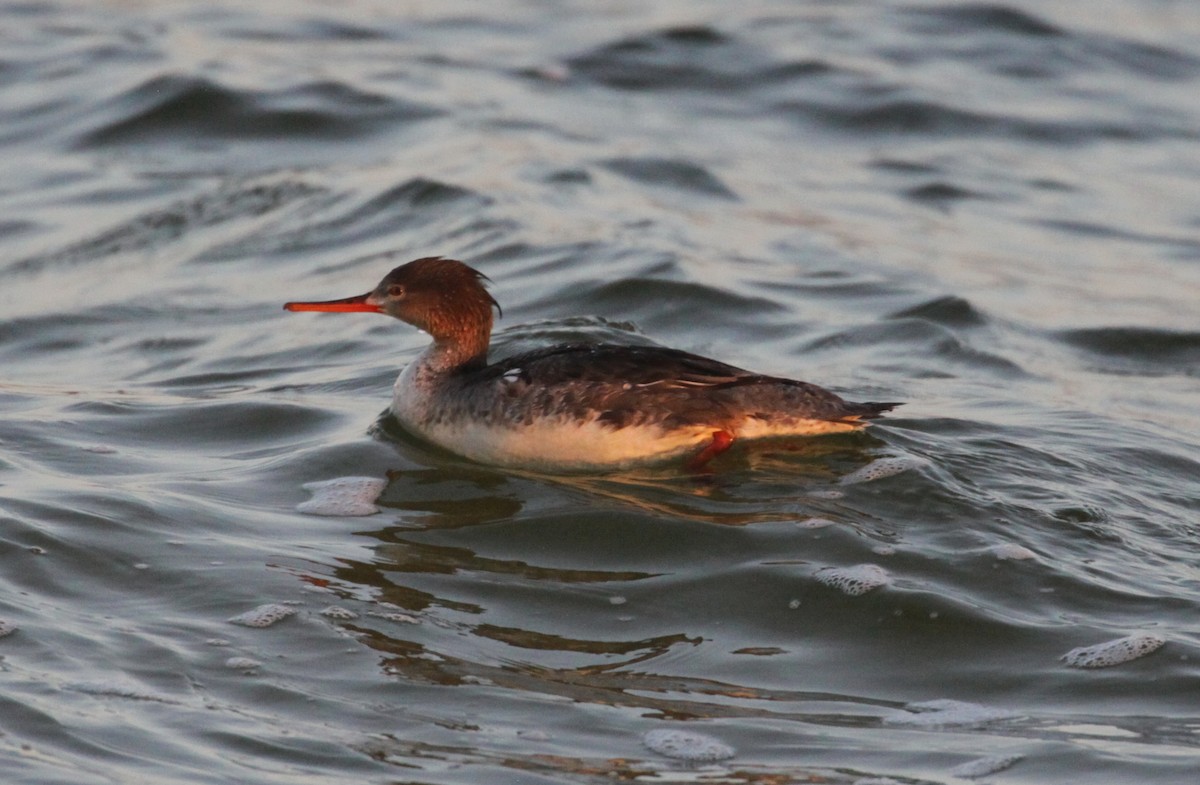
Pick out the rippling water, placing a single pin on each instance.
(990, 211)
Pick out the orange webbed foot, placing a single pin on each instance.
(721, 441)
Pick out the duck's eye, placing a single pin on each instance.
(395, 290)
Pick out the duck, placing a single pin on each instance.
(575, 407)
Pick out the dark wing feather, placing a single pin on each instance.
(638, 366)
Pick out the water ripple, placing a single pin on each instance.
(175, 108)
(983, 209)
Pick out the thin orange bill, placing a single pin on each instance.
(345, 305)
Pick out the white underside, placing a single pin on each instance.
(558, 446)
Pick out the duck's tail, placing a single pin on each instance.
(871, 410)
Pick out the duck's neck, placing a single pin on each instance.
(461, 329)
(455, 353)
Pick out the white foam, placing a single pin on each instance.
(882, 467)
(553, 72)
(119, 687)
(340, 613)
(263, 615)
(1105, 655)
(815, 523)
(7, 628)
(1010, 550)
(982, 767)
(396, 616)
(686, 745)
(480, 680)
(343, 497)
(242, 664)
(944, 712)
(856, 580)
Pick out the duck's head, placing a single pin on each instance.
(442, 297)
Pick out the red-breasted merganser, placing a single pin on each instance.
(575, 407)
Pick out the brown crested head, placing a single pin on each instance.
(446, 299)
(443, 297)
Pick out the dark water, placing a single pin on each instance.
(989, 211)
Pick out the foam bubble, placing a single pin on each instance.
(242, 664)
(343, 496)
(686, 745)
(263, 615)
(339, 613)
(1010, 550)
(480, 680)
(553, 72)
(882, 467)
(396, 616)
(815, 523)
(944, 712)
(982, 767)
(856, 580)
(1105, 655)
(7, 628)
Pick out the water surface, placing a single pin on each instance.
(990, 211)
